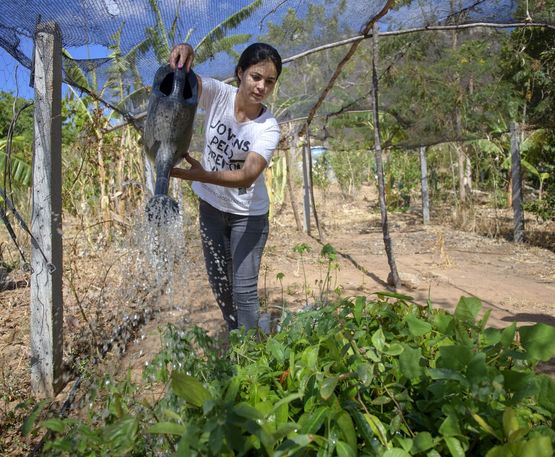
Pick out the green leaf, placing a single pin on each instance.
(546, 395)
(394, 349)
(377, 427)
(409, 363)
(347, 428)
(499, 451)
(510, 421)
(311, 422)
(468, 308)
(247, 411)
(284, 401)
(450, 426)
(396, 452)
(417, 327)
(539, 341)
(539, 446)
(394, 295)
(54, 424)
(508, 335)
(454, 446)
(277, 350)
(121, 435)
(444, 373)
(381, 400)
(363, 426)
(344, 450)
(232, 389)
(521, 384)
(365, 373)
(454, 357)
(29, 421)
(189, 389)
(443, 322)
(422, 442)
(167, 428)
(485, 426)
(491, 336)
(328, 386)
(378, 340)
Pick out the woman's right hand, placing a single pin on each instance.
(182, 55)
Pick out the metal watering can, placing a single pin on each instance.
(167, 133)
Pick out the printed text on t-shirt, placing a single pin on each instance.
(224, 145)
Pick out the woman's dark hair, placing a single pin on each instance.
(255, 53)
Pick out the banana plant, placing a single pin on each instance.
(215, 41)
(20, 169)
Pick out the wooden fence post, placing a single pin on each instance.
(388, 243)
(46, 219)
(516, 183)
(307, 184)
(424, 186)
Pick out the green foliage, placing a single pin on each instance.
(380, 377)
(10, 105)
(351, 168)
(20, 163)
(402, 175)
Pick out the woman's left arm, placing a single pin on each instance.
(244, 177)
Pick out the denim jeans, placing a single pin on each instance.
(233, 247)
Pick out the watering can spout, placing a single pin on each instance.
(168, 130)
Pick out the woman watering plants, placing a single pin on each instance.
(240, 137)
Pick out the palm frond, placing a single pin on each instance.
(21, 171)
(218, 32)
(222, 45)
(159, 35)
(73, 72)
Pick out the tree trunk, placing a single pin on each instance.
(424, 187)
(312, 199)
(289, 178)
(516, 179)
(379, 164)
(306, 188)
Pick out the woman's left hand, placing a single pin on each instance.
(195, 173)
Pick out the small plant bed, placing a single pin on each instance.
(360, 377)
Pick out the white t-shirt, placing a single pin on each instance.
(227, 143)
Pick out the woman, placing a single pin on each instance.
(240, 137)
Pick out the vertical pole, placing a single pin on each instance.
(424, 186)
(516, 181)
(46, 219)
(388, 243)
(306, 186)
(288, 154)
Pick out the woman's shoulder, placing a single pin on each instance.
(215, 85)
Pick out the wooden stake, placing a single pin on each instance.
(516, 181)
(46, 219)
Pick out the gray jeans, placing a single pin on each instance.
(233, 247)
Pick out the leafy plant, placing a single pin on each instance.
(302, 249)
(380, 377)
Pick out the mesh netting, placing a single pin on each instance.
(117, 45)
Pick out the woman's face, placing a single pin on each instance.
(258, 81)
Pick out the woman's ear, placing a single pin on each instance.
(239, 75)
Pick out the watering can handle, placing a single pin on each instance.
(179, 82)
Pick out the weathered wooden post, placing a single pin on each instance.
(307, 184)
(393, 278)
(424, 186)
(516, 182)
(46, 219)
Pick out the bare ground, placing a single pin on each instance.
(110, 310)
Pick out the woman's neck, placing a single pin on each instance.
(245, 111)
